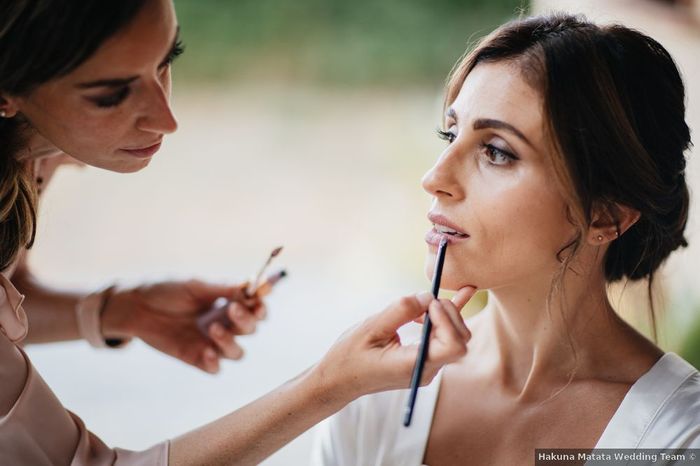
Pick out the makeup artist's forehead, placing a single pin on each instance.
(498, 91)
(136, 48)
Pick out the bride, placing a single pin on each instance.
(563, 172)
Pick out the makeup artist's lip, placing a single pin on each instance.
(144, 152)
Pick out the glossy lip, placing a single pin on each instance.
(147, 151)
(433, 237)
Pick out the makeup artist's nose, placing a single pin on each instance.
(440, 181)
(158, 117)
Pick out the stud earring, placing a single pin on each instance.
(3, 114)
(600, 238)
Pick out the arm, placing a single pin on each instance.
(163, 315)
(51, 313)
(367, 359)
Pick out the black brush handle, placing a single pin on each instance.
(425, 339)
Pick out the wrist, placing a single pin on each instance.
(90, 315)
(328, 388)
(116, 320)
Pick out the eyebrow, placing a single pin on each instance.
(483, 123)
(120, 82)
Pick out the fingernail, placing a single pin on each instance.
(210, 354)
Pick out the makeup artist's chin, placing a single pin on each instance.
(134, 159)
(119, 162)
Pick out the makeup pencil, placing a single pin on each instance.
(425, 339)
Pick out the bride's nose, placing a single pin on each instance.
(441, 180)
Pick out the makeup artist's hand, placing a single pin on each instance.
(164, 315)
(370, 357)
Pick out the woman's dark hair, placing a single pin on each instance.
(41, 40)
(614, 108)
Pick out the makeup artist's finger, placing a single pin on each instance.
(209, 360)
(456, 317)
(260, 312)
(425, 295)
(243, 322)
(239, 292)
(462, 297)
(225, 341)
(253, 304)
(207, 293)
(399, 313)
(451, 344)
(446, 344)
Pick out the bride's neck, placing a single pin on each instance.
(540, 341)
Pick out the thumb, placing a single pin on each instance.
(401, 312)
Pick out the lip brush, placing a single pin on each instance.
(425, 339)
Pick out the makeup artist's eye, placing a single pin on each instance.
(177, 50)
(446, 135)
(497, 156)
(113, 99)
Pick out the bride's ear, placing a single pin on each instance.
(609, 222)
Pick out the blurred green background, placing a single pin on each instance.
(361, 42)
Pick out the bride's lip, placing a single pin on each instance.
(439, 219)
(433, 236)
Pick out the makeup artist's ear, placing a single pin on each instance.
(610, 221)
(8, 106)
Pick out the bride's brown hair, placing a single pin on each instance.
(614, 108)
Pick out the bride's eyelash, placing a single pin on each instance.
(445, 135)
(493, 151)
(490, 150)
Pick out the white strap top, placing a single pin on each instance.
(661, 410)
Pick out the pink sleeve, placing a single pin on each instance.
(35, 429)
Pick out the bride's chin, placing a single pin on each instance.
(450, 280)
(453, 284)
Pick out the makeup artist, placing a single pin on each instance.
(89, 82)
